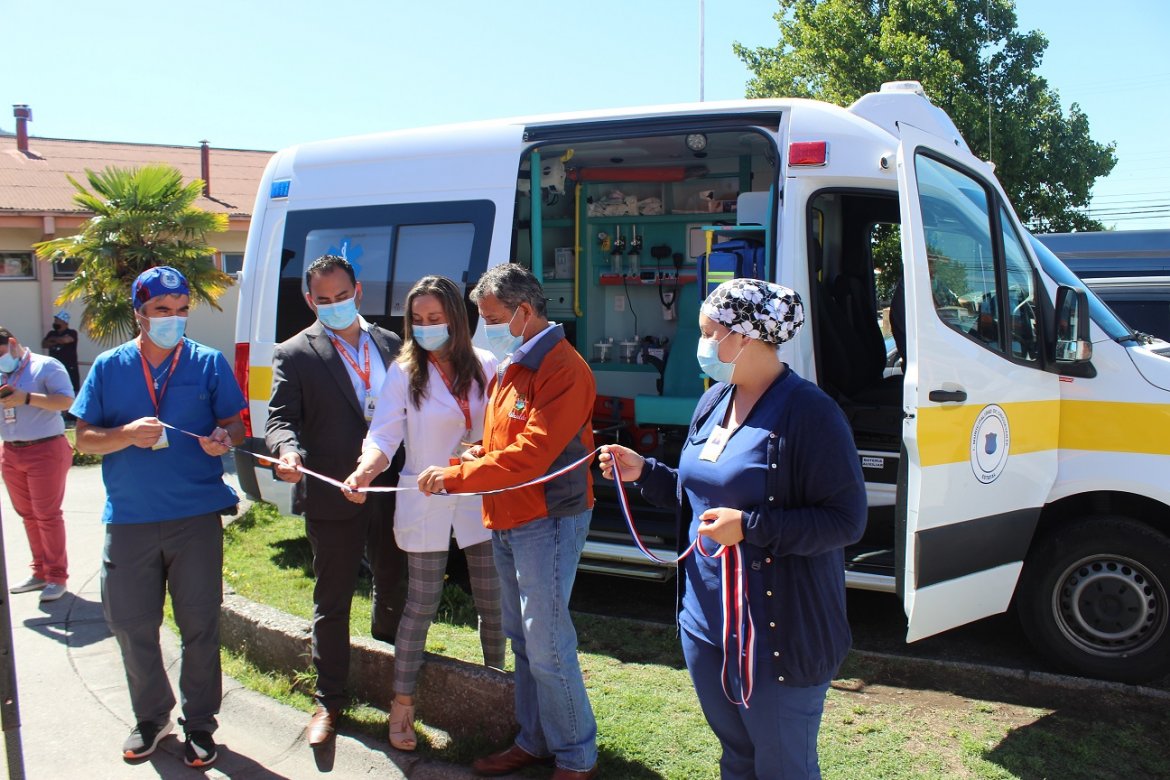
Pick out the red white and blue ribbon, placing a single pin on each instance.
(739, 631)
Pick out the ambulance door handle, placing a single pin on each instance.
(948, 396)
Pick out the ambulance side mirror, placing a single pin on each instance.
(1072, 326)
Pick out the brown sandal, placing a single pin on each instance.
(402, 734)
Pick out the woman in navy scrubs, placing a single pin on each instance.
(769, 468)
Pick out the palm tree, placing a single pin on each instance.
(143, 217)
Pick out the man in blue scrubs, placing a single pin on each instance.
(165, 495)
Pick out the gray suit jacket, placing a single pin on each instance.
(314, 412)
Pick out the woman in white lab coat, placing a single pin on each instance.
(433, 403)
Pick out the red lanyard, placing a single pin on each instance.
(363, 375)
(464, 404)
(157, 399)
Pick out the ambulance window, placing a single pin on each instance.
(368, 251)
(1021, 293)
(959, 251)
(443, 249)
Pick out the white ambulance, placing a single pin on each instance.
(1020, 454)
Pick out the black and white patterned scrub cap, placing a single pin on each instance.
(760, 310)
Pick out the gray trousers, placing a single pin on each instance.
(140, 562)
(425, 590)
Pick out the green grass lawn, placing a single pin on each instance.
(650, 725)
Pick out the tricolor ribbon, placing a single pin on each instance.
(739, 631)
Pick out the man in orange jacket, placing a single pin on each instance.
(538, 419)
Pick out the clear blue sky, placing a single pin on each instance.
(261, 74)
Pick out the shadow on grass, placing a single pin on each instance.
(1085, 743)
(294, 554)
(1090, 733)
(629, 641)
(612, 764)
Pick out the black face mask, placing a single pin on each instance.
(58, 326)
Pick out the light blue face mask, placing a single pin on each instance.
(337, 316)
(708, 354)
(8, 363)
(166, 332)
(431, 337)
(500, 339)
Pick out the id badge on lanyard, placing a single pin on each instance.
(370, 400)
(715, 444)
(156, 397)
(10, 412)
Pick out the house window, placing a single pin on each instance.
(233, 262)
(65, 269)
(17, 265)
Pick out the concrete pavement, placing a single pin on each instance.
(74, 707)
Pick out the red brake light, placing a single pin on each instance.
(808, 153)
(242, 352)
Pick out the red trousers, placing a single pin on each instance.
(35, 477)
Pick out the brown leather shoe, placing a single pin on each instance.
(507, 761)
(571, 774)
(322, 726)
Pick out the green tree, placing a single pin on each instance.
(972, 62)
(142, 217)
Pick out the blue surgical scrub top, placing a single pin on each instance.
(738, 479)
(145, 485)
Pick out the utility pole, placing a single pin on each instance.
(702, 56)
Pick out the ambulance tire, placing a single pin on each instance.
(1094, 599)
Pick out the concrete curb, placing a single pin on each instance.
(463, 699)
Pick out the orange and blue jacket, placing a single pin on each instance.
(538, 419)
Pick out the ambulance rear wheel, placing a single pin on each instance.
(1093, 599)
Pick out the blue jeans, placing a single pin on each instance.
(537, 563)
(773, 739)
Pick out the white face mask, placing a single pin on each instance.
(431, 337)
(166, 332)
(707, 353)
(500, 339)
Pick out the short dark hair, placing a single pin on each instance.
(5, 334)
(326, 263)
(512, 285)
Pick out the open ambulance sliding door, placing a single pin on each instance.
(981, 424)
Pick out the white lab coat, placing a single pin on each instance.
(431, 435)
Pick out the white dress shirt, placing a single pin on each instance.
(431, 434)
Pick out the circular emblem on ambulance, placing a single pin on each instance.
(169, 279)
(990, 442)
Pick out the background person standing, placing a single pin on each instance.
(325, 384)
(164, 497)
(37, 456)
(61, 342)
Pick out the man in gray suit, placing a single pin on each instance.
(326, 380)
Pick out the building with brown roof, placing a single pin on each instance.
(36, 204)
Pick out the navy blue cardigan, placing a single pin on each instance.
(793, 545)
